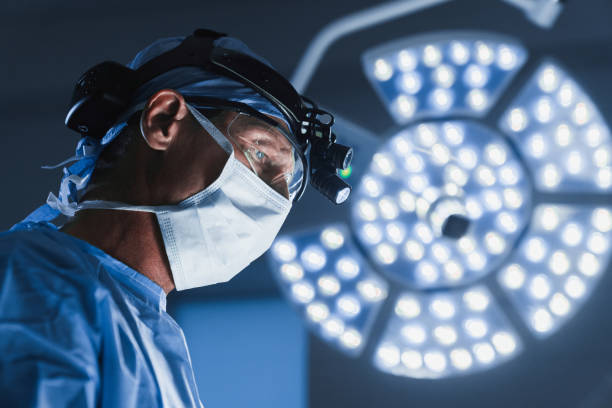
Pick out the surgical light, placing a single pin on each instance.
(451, 214)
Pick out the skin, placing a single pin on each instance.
(175, 159)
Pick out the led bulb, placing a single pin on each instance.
(382, 70)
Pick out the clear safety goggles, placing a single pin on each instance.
(266, 146)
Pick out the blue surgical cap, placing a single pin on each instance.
(189, 81)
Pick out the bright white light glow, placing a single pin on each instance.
(559, 304)
(602, 219)
(512, 198)
(473, 209)
(442, 99)
(372, 186)
(423, 232)
(347, 268)
(485, 175)
(477, 99)
(453, 271)
(444, 76)
(541, 320)
(536, 145)
(426, 272)
(382, 70)
(484, 53)
(435, 361)
(442, 308)
(348, 305)
(440, 154)
(406, 105)
(544, 110)
(581, 113)
(566, 94)
(513, 276)
(484, 352)
(495, 243)
(574, 286)
(572, 234)
(550, 176)
(548, 80)
(388, 209)
(332, 238)
(303, 292)
(371, 290)
(366, 210)
(371, 234)
(412, 359)
(313, 258)
(292, 272)
(507, 222)
(445, 335)
(506, 58)
(333, 327)
(476, 76)
(414, 333)
(475, 328)
(383, 164)
(549, 218)
(431, 56)
(411, 82)
(574, 163)
(508, 175)
(328, 285)
(351, 339)
(406, 201)
(563, 135)
(504, 342)
(535, 249)
(396, 232)
(317, 312)
(440, 252)
(539, 287)
(461, 359)
(467, 158)
(407, 307)
(414, 250)
(459, 53)
(495, 154)
(406, 60)
(284, 250)
(453, 133)
(414, 163)
(388, 355)
(597, 242)
(517, 120)
(492, 200)
(559, 263)
(476, 300)
(386, 253)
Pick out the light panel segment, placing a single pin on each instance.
(422, 178)
(435, 335)
(558, 263)
(322, 273)
(443, 74)
(561, 133)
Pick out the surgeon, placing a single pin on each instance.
(181, 186)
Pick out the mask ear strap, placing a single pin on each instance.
(212, 130)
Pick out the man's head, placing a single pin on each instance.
(164, 155)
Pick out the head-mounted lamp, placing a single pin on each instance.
(105, 91)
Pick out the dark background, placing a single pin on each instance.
(45, 46)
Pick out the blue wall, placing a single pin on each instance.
(246, 353)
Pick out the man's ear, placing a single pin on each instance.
(162, 117)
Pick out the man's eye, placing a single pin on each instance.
(259, 155)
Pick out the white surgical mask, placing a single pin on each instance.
(214, 234)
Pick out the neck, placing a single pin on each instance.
(131, 237)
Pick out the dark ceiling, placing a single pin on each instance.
(45, 46)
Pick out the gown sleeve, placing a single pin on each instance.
(49, 344)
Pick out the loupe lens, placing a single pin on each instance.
(341, 156)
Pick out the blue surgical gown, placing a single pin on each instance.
(79, 328)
